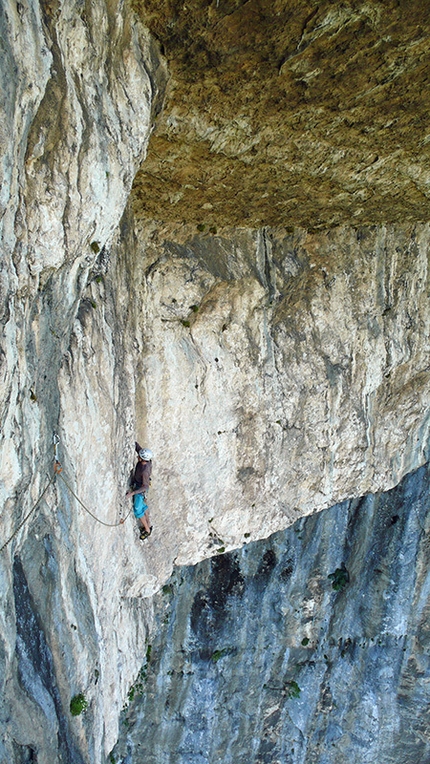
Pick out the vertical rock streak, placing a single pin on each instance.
(36, 669)
(75, 118)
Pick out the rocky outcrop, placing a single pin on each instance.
(310, 646)
(274, 370)
(290, 113)
(272, 374)
(282, 373)
(75, 127)
(79, 95)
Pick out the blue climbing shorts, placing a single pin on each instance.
(139, 505)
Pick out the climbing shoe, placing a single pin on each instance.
(145, 534)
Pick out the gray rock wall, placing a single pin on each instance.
(281, 373)
(273, 372)
(263, 656)
(79, 90)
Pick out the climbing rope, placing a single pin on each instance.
(28, 515)
(108, 525)
(58, 469)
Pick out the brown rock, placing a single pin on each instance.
(289, 113)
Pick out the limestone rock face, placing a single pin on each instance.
(79, 90)
(282, 373)
(309, 647)
(273, 369)
(75, 126)
(289, 112)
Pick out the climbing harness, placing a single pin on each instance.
(58, 469)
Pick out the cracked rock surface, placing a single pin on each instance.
(281, 374)
(78, 93)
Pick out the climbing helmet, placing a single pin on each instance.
(145, 454)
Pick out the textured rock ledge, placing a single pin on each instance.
(284, 371)
(280, 373)
(256, 658)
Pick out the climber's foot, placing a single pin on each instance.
(145, 534)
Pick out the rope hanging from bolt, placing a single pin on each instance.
(58, 469)
(108, 525)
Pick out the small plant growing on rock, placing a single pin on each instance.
(217, 654)
(340, 578)
(136, 689)
(78, 704)
(292, 689)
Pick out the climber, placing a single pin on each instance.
(140, 484)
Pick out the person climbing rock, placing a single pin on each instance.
(140, 484)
